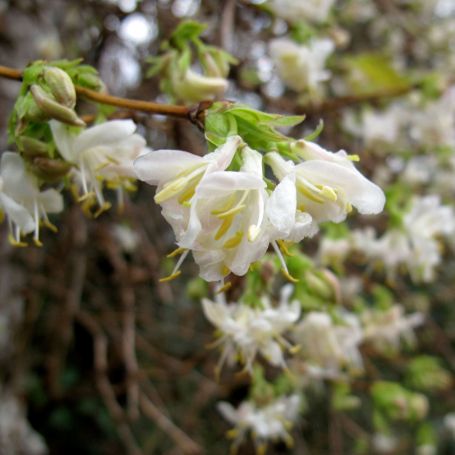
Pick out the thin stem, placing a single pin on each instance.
(137, 105)
(10, 73)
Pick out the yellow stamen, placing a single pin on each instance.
(224, 227)
(171, 277)
(50, 226)
(37, 242)
(329, 193)
(15, 243)
(224, 288)
(225, 270)
(86, 196)
(234, 240)
(187, 195)
(309, 192)
(106, 206)
(176, 252)
(354, 158)
(288, 276)
(227, 205)
(284, 248)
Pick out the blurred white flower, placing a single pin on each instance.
(302, 10)
(245, 331)
(102, 153)
(378, 127)
(449, 424)
(435, 124)
(333, 251)
(328, 347)
(386, 328)
(25, 206)
(271, 422)
(302, 67)
(127, 238)
(415, 245)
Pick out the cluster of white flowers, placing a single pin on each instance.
(102, 153)
(415, 246)
(328, 348)
(26, 207)
(386, 328)
(245, 331)
(426, 125)
(295, 11)
(270, 422)
(302, 67)
(229, 218)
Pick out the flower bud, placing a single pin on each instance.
(91, 81)
(31, 147)
(318, 285)
(53, 109)
(49, 169)
(193, 87)
(418, 404)
(61, 85)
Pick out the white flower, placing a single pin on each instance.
(326, 185)
(215, 213)
(227, 225)
(246, 331)
(435, 124)
(127, 238)
(327, 347)
(449, 424)
(385, 328)
(22, 201)
(333, 251)
(266, 423)
(414, 246)
(378, 127)
(302, 10)
(103, 152)
(301, 67)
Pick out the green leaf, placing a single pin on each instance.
(186, 31)
(371, 72)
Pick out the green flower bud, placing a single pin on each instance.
(318, 285)
(31, 147)
(61, 86)
(53, 109)
(49, 169)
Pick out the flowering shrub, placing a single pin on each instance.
(324, 274)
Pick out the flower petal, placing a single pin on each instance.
(104, 134)
(63, 140)
(363, 194)
(222, 183)
(158, 166)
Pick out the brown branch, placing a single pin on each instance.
(183, 441)
(102, 381)
(103, 98)
(10, 73)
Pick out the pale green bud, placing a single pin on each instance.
(31, 147)
(49, 169)
(193, 87)
(53, 109)
(61, 86)
(418, 405)
(318, 285)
